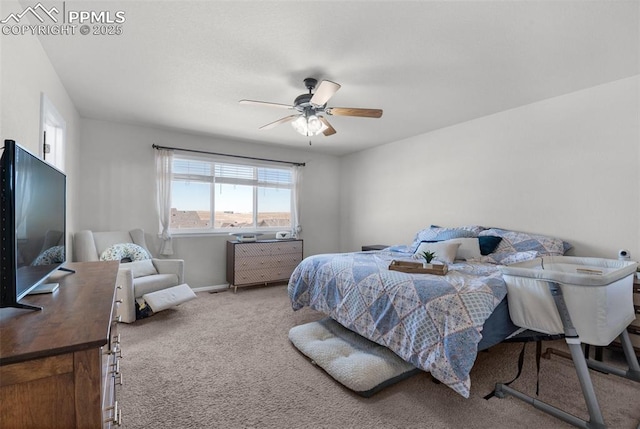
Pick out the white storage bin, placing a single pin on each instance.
(598, 293)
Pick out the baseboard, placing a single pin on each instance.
(214, 288)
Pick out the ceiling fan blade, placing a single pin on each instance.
(352, 111)
(264, 103)
(330, 130)
(324, 92)
(278, 122)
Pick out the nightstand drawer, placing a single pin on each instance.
(635, 340)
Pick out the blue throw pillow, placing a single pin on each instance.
(488, 243)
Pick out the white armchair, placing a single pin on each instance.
(136, 281)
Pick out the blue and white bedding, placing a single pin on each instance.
(432, 321)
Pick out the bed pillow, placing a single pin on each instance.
(445, 251)
(469, 247)
(437, 233)
(488, 243)
(516, 241)
(141, 268)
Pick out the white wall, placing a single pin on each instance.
(567, 167)
(118, 191)
(26, 73)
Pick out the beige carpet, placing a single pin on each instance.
(224, 361)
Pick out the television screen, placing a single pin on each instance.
(34, 234)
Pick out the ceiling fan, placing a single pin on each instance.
(309, 120)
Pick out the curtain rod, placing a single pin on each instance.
(298, 164)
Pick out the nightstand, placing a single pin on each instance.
(368, 247)
(634, 327)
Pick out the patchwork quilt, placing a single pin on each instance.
(433, 322)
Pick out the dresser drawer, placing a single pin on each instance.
(266, 261)
(111, 376)
(287, 247)
(270, 248)
(248, 250)
(110, 367)
(272, 274)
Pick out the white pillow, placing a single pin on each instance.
(140, 268)
(445, 250)
(469, 248)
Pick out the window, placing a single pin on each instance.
(52, 133)
(209, 195)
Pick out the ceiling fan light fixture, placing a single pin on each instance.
(308, 126)
(314, 125)
(300, 125)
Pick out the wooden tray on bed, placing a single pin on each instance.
(416, 268)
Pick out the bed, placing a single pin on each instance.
(437, 323)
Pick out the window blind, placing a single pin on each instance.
(212, 171)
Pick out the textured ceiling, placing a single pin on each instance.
(185, 65)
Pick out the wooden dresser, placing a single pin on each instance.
(59, 366)
(262, 261)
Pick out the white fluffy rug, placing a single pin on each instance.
(355, 362)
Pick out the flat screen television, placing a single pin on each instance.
(32, 223)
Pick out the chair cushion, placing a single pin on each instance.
(104, 240)
(140, 268)
(148, 284)
(163, 299)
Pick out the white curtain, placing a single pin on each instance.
(296, 226)
(164, 162)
